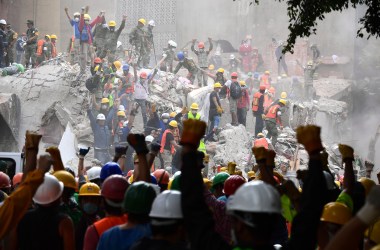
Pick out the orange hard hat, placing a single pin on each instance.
(97, 60)
(201, 45)
(143, 75)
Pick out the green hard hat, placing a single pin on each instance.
(175, 183)
(220, 178)
(138, 198)
(249, 73)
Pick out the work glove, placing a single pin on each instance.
(44, 162)
(370, 212)
(32, 140)
(57, 160)
(83, 152)
(120, 150)
(155, 148)
(231, 168)
(346, 151)
(193, 132)
(310, 137)
(270, 158)
(219, 110)
(184, 110)
(260, 153)
(137, 141)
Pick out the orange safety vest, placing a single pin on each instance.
(255, 101)
(40, 47)
(267, 101)
(265, 81)
(53, 50)
(106, 223)
(130, 89)
(261, 142)
(272, 112)
(163, 142)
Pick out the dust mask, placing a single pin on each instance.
(165, 120)
(76, 19)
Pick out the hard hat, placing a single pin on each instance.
(211, 67)
(172, 43)
(143, 75)
(242, 83)
(117, 64)
(2, 21)
(255, 197)
(267, 72)
(282, 101)
(17, 179)
(47, 36)
(174, 185)
(153, 179)
(53, 36)
(130, 173)
(76, 14)
(367, 183)
(272, 90)
(118, 44)
(5, 181)
(173, 114)
(111, 23)
(110, 168)
(66, 178)
(121, 108)
(97, 60)
(201, 45)
(89, 189)
(149, 138)
(260, 135)
(152, 23)
(336, 212)
(194, 106)
(87, 17)
(208, 183)
(251, 174)
(256, 75)
(220, 178)
(138, 198)
(126, 67)
(217, 85)
(165, 116)
(221, 70)
(223, 169)
(142, 20)
(180, 56)
(249, 74)
(166, 205)
(94, 173)
(283, 95)
(337, 183)
(232, 184)
(262, 87)
(173, 124)
(49, 191)
(373, 233)
(100, 117)
(232, 56)
(162, 176)
(114, 188)
(310, 63)
(120, 113)
(105, 100)
(234, 74)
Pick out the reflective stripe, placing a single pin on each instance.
(191, 116)
(272, 112)
(163, 142)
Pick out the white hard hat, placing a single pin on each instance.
(166, 205)
(172, 43)
(152, 23)
(149, 138)
(217, 53)
(232, 56)
(76, 14)
(121, 108)
(93, 173)
(2, 21)
(165, 116)
(118, 44)
(49, 191)
(255, 197)
(101, 117)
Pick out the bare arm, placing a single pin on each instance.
(66, 230)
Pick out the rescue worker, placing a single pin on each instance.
(48, 47)
(243, 104)
(219, 77)
(102, 137)
(31, 44)
(257, 60)
(215, 111)
(218, 184)
(193, 113)
(269, 97)
(216, 59)
(272, 118)
(261, 141)
(100, 32)
(233, 63)
(20, 51)
(309, 71)
(202, 55)
(281, 59)
(169, 144)
(3, 40)
(315, 52)
(126, 88)
(118, 127)
(249, 81)
(54, 52)
(266, 80)
(137, 40)
(76, 38)
(169, 56)
(188, 64)
(149, 43)
(11, 39)
(235, 93)
(112, 37)
(42, 48)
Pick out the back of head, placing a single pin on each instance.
(113, 190)
(49, 191)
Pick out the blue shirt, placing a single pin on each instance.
(116, 238)
(76, 28)
(223, 198)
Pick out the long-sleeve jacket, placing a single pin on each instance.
(85, 29)
(243, 102)
(113, 36)
(187, 64)
(102, 135)
(137, 37)
(202, 55)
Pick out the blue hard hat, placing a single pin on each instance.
(180, 56)
(256, 75)
(153, 179)
(110, 168)
(126, 67)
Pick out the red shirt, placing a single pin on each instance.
(243, 102)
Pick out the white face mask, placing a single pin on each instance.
(76, 19)
(105, 25)
(165, 120)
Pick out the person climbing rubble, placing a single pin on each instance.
(215, 112)
(169, 56)
(235, 93)
(272, 118)
(243, 104)
(168, 144)
(188, 64)
(31, 44)
(219, 77)
(137, 40)
(202, 55)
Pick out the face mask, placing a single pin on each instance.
(105, 25)
(104, 106)
(112, 29)
(90, 208)
(194, 112)
(87, 21)
(165, 120)
(76, 19)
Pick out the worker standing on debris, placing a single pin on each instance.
(266, 80)
(272, 118)
(102, 137)
(3, 39)
(169, 57)
(100, 31)
(31, 44)
(112, 37)
(75, 39)
(20, 51)
(137, 40)
(235, 93)
(269, 97)
(308, 74)
(193, 113)
(126, 88)
(11, 40)
(169, 144)
(54, 52)
(219, 77)
(215, 111)
(188, 64)
(202, 60)
(42, 48)
(243, 104)
(149, 43)
(281, 59)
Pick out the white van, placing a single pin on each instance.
(14, 162)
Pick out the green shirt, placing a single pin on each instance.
(346, 200)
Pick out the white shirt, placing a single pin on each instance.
(141, 90)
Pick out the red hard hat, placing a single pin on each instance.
(162, 176)
(17, 179)
(143, 75)
(201, 45)
(262, 87)
(130, 173)
(97, 60)
(234, 74)
(5, 181)
(232, 184)
(114, 187)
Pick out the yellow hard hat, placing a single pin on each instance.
(53, 36)
(221, 70)
(117, 64)
(260, 135)
(172, 114)
(367, 183)
(112, 23)
(47, 36)
(336, 212)
(283, 95)
(194, 106)
(211, 67)
(105, 100)
(223, 169)
(310, 63)
(142, 20)
(251, 174)
(87, 17)
(120, 113)
(89, 189)
(170, 183)
(375, 247)
(267, 72)
(283, 101)
(173, 123)
(373, 232)
(67, 178)
(207, 182)
(242, 83)
(217, 85)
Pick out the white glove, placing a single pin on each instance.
(370, 212)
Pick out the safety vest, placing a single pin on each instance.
(191, 116)
(106, 223)
(272, 112)
(267, 101)
(261, 142)
(163, 142)
(202, 146)
(265, 81)
(255, 101)
(53, 50)
(40, 47)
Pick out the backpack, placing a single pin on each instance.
(92, 83)
(235, 90)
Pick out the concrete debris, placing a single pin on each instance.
(10, 111)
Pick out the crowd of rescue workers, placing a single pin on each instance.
(156, 189)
